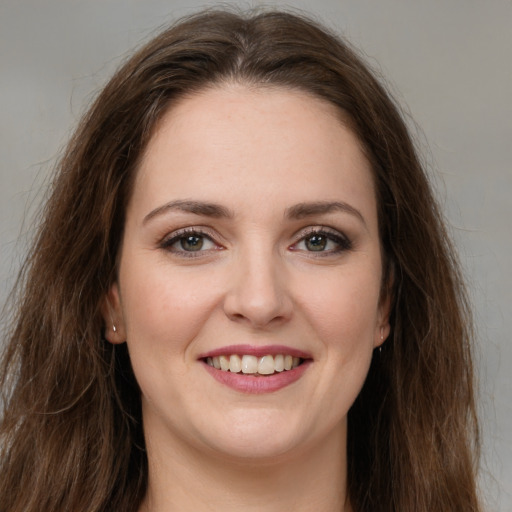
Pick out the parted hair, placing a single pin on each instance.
(71, 430)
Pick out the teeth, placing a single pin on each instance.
(266, 365)
(235, 363)
(224, 363)
(248, 364)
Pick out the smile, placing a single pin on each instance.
(256, 369)
(254, 365)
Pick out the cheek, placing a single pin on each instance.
(343, 308)
(341, 314)
(164, 310)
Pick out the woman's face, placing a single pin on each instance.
(251, 243)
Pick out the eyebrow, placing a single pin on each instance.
(298, 211)
(189, 206)
(302, 210)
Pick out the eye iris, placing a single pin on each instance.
(192, 243)
(316, 243)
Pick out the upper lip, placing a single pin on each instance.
(256, 350)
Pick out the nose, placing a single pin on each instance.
(258, 292)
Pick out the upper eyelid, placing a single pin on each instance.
(193, 230)
(345, 242)
(301, 233)
(175, 235)
(218, 239)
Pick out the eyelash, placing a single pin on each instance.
(181, 235)
(342, 241)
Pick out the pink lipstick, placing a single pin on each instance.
(258, 351)
(256, 369)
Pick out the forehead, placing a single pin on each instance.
(262, 142)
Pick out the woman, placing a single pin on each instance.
(241, 294)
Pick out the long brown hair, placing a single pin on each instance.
(71, 433)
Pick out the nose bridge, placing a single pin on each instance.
(257, 293)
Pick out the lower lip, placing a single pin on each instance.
(247, 383)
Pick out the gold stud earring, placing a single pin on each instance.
(381, 339)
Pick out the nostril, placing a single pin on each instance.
(257, 295)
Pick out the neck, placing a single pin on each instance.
(188, 479)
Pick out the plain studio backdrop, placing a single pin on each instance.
(449, 63)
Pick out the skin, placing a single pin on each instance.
(257, 153)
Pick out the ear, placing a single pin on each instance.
(382, 327)
(111, 311)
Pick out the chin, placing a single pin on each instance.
(257, 436)
(255, 451)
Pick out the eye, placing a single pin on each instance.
(189, 241)
(317, 242)
(323, 241)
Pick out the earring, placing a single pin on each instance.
(114, 328)
(381, 334)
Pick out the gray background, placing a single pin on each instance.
(449, 62)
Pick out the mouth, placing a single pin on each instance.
(251, 369)
(253, 365)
